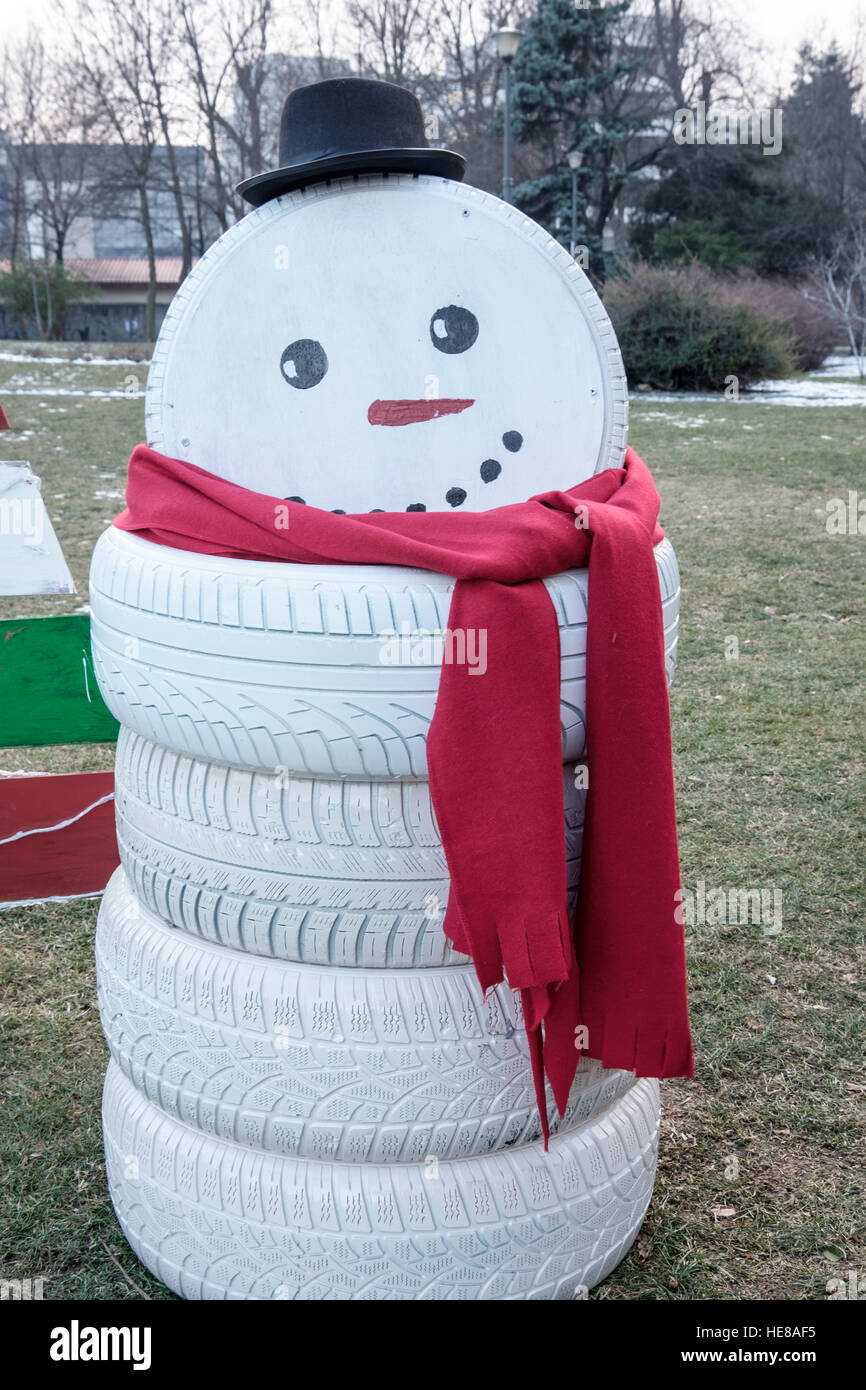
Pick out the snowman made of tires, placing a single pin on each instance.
(308, 1095)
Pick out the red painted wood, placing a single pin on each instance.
(53, 858)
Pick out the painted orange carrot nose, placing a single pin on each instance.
(411, 412)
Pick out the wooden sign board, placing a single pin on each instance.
(57, 836)
(48, 692)
(31, 561)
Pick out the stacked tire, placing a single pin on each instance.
(308, 1095)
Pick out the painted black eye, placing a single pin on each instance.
(453, 329)
(303, 364)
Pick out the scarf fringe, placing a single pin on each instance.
(534, 975)
(647, 1049)
(536, 1057)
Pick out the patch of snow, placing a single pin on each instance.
(839, 366)
(808, 392)
(73, 361)
(70, 391)
(812, 392)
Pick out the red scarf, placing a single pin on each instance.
(494, 747)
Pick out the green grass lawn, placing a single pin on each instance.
(759, 1192)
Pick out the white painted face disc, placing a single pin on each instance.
(394, 343)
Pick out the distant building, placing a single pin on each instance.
(117, 314)
(90, 193)
(91, 189)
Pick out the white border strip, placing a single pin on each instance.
(34, 902)
(61, 825)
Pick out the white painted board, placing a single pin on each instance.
(392, 343)
(31, 560)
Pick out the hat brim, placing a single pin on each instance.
(444, 163)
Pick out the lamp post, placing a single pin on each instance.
(575, 160)
(507, 43)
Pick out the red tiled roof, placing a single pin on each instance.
(124, 270)
(127, 270)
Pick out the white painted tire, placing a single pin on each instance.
(328, 872)
(214, 1220)
(270, 665)
(366, 1066)
(359, 265)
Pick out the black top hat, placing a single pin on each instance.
(350, 125)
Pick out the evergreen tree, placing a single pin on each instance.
(570, 61)
(825, 130)
(730, 206)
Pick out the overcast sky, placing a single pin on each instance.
(782, 25)
(779, 26)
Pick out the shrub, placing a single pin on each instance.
(680, 329)
(39, 293)
(813, 329)
(710, 242)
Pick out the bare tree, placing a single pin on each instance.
(49, 172)
(217, 42)
(393, 38)
(469, 94)
(48, 130)
(321, 23)
(110, 68)
(150, 27)
(12, 132)
(697, 54)
(674, 53)
(236, 80)
(841, 279)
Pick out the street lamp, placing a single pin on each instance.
(507, 43)
(575, 160)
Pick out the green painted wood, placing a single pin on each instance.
(48, 692)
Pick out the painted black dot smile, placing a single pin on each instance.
(453, 330)
(490, 469)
